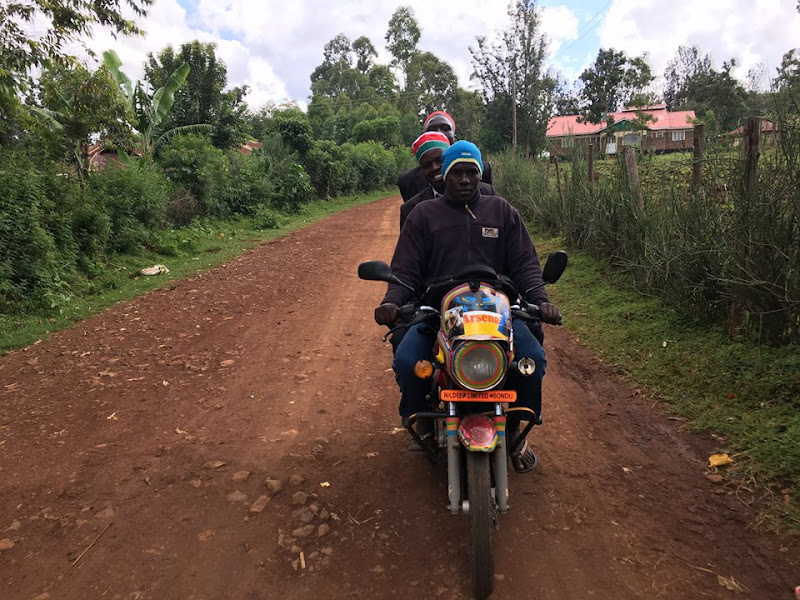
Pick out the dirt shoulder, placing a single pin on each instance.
(135, 450)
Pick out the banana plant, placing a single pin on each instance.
(151, 111)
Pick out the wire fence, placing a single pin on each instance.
(716, 232)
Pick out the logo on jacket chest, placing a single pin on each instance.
(491, 232)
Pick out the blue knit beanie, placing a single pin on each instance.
(461, 152)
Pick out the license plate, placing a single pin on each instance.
(467, 396)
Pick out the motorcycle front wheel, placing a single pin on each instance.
(481, 518)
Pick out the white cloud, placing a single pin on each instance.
(752, 31)
(274, 46)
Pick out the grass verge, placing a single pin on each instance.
(745, 394)
(184, 251)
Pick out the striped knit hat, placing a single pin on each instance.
(428, 141)
(461, 152)
(441, 114)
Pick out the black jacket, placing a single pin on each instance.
(427, 194)
(412, 182)
(441, 237)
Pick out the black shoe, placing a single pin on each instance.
(425, 430)
(523, 459)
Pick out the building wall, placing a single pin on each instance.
(650, 142)
(665, 143)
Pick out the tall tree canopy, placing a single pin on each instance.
(687, 63)
(402, 37)
(611, 82)
(691, 83)
(79, 107)
(201, 100)
(57, 23)
(511, 72)
(365, 54)
(430, 83)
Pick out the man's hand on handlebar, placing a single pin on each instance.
(549, 313)
(386, 314)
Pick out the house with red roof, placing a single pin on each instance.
(651, 128)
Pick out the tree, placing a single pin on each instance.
(716, 96)
(383, 82)
(432, 81)
(151, 110)
(611, 82)
(201, 98)
(292, 125)
(78, 105)
(402, 37)
(365, 53)
(56, 24)
(516, 85)
(568, 101)
(469, 112)
(336, 74)
(687, 63)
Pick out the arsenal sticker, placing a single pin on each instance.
(491, 232)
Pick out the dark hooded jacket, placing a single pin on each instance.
(442, 236)
(428, 194)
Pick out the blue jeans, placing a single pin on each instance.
(418, 344)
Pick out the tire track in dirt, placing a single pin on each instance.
(273, 366)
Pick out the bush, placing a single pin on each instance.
(91, 228)
(251, 186)
(327, 166)
(192, 162)
(294, 129)
(135, 200)
(403, 159)
(376, 165)
(292, 187)
(32, 270)
(268, 218)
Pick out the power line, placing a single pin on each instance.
(588, 31)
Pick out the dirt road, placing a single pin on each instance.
(135, 450)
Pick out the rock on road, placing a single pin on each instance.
(235, 436)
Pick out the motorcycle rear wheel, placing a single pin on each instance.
(481, 517)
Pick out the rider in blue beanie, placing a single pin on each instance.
(461, 152)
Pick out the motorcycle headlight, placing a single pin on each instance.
(479, 366)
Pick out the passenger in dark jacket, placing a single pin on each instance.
(442, 236)
(412, 182)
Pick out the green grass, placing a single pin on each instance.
(184, 251)
(744, 393)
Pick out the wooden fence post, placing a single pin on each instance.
(751, 149)
(558, 186)
(591, 170)
(697, 161)
(629, 154)
(751, 141)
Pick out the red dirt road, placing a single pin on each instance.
(134, 450)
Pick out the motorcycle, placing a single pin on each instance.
(468, 399)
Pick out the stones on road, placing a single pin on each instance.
(274, 486)
(237, 496)
(241, 475)
(260, 504)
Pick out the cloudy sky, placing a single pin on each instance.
(273, 46)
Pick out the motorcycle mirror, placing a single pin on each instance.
(374, 270)
(555, 266)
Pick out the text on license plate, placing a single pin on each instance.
(467, 396)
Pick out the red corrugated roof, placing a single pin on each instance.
(569, 125)
(766, 127)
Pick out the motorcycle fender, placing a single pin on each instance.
(477, 433)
